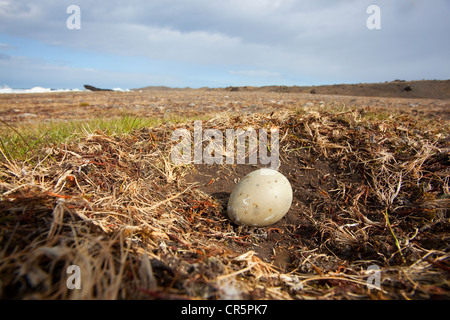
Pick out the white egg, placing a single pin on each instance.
(261, 198)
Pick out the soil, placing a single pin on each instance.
(292, 231)
(160, 102)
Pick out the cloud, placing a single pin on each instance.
(285, 40)
(5, 46)
(41, 73)
(256, 73)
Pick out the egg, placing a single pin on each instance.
(260, 199)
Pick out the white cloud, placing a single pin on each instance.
(319, 41)
(6, 46)
(256, 73)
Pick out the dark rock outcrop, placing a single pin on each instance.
(407, 88)
(92, 88)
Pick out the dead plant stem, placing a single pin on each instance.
(397, 244)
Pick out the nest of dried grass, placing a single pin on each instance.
(139, 228)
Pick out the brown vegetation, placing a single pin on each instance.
(371, 187)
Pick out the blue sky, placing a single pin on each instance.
(218, 43)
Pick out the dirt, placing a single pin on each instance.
(312, 179)
(308, 178)
(160, 103)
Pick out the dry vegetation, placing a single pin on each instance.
(371, 187)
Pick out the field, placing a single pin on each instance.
(87, 180)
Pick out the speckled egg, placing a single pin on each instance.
(260, 199)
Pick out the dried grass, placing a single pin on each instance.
(117, 207)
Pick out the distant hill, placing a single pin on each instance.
(426, 89)
(160, 88)
(432, 89)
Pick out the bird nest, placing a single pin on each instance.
(369, 219)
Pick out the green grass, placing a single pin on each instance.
(21, 142)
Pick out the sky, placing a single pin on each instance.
(219, 43)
